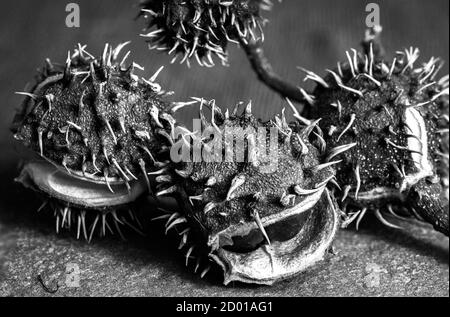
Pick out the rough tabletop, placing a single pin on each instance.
(376, 261)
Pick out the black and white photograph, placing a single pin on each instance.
(223, 154)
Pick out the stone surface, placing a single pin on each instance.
(376, 261)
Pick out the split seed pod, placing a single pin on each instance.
(98, 129)
(396, 116)
(257, 203)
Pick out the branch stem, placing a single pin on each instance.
(266, 74)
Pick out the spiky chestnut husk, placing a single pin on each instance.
(397, 118)
(260, 222)
(99, 127)
(202, 28)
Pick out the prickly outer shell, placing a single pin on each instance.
(398, 117)
(201, 28)
(96, 130)
(94, 118)
(227, 204)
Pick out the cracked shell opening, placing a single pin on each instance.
(280, 231)
(299, 239)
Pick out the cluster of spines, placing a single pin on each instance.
(405, 60)
(87, 222)
(364, 65)
(203, 28)
(172, 181)
(177, 222)
(82, 63)
(280, 122)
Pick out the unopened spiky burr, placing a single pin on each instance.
(201, 29)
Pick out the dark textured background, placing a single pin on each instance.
(313, 34)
